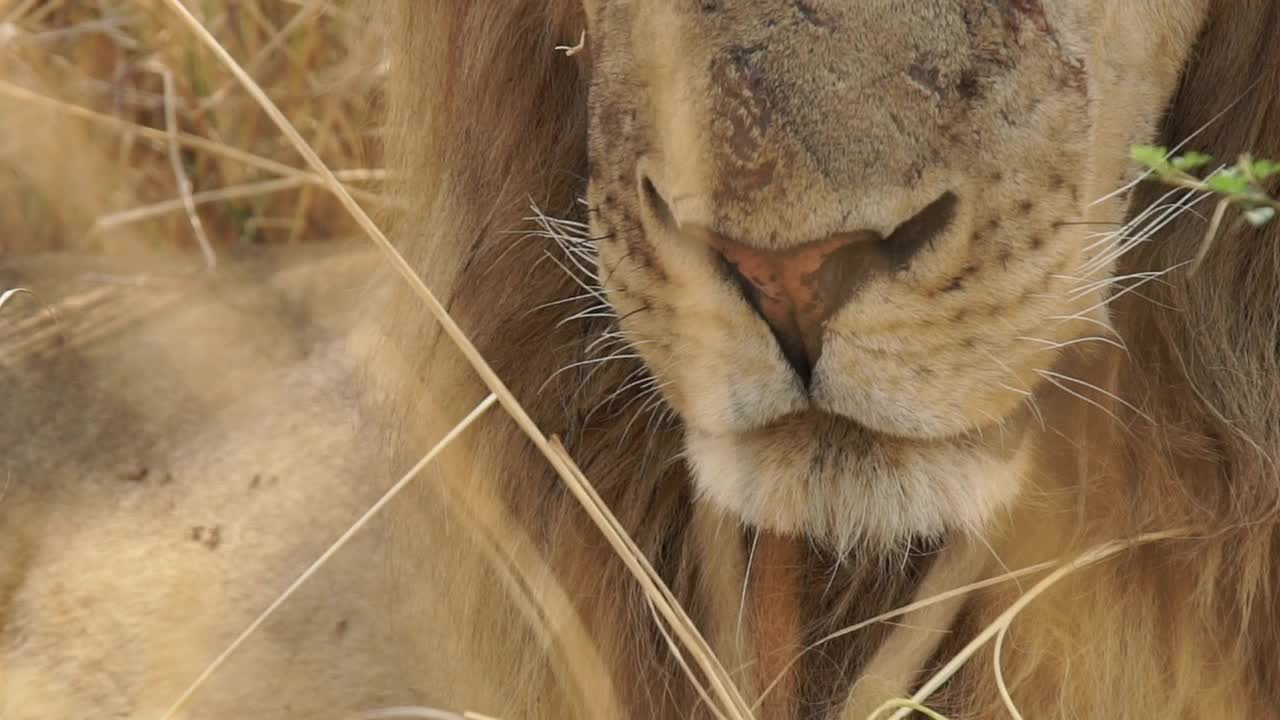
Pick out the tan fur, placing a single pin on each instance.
(776, 123)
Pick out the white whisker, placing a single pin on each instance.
(1131, 288)
(586, 363)
(1051, 376)
(1084, 318)
(1128, 243)
(1056, 345)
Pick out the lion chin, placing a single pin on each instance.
(829, 478)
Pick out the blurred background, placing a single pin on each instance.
(120, 132)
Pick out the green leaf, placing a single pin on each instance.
(1260, 216)
(1263, 169)
(1191, 161)
(1155, 157)
(1228, 182)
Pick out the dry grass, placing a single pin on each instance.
(155, 137)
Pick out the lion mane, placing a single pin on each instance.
(487, 116)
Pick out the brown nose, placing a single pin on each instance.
(797, 291)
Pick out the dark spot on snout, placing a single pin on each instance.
(928, 77)
(925, 73)
(810, 15)
(1031, 10)
(969, 87)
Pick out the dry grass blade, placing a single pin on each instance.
(1210, 234)
(908, 706)
(419, 712)
(1006, 618)
(306, 13)
(236, 192)
(904, 610)
(10, 294)
(722, 686)
(998, 668)
(537, 593)
(179, 173)
(195, 142)
(333, 549)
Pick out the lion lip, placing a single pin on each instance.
(1003, 435)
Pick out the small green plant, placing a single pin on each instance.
(1239, 185)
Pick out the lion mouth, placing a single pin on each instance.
(1002, 435)
(831, 478)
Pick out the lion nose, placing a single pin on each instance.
(797, 290)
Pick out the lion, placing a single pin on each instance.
(842, 308)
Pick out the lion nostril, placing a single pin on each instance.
(657, 204)
(797, 291)
(801, 356)
(912, 236)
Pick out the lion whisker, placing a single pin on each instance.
(592, 313)
(1034, 406)
(1145, 235)
(1084, 318)
(1130, 289)
(563, 301)
(584, 284)
(1047, 374)
(625, 386)
(1160, 203)
(654, 395)
(1087, 288)
(1143, 227)
(584, 267)
(588, 363)
(1059, 345)
(646, 383)
(1028, 397)
(612, 338)
(651, 384)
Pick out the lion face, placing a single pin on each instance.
(852, 239)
